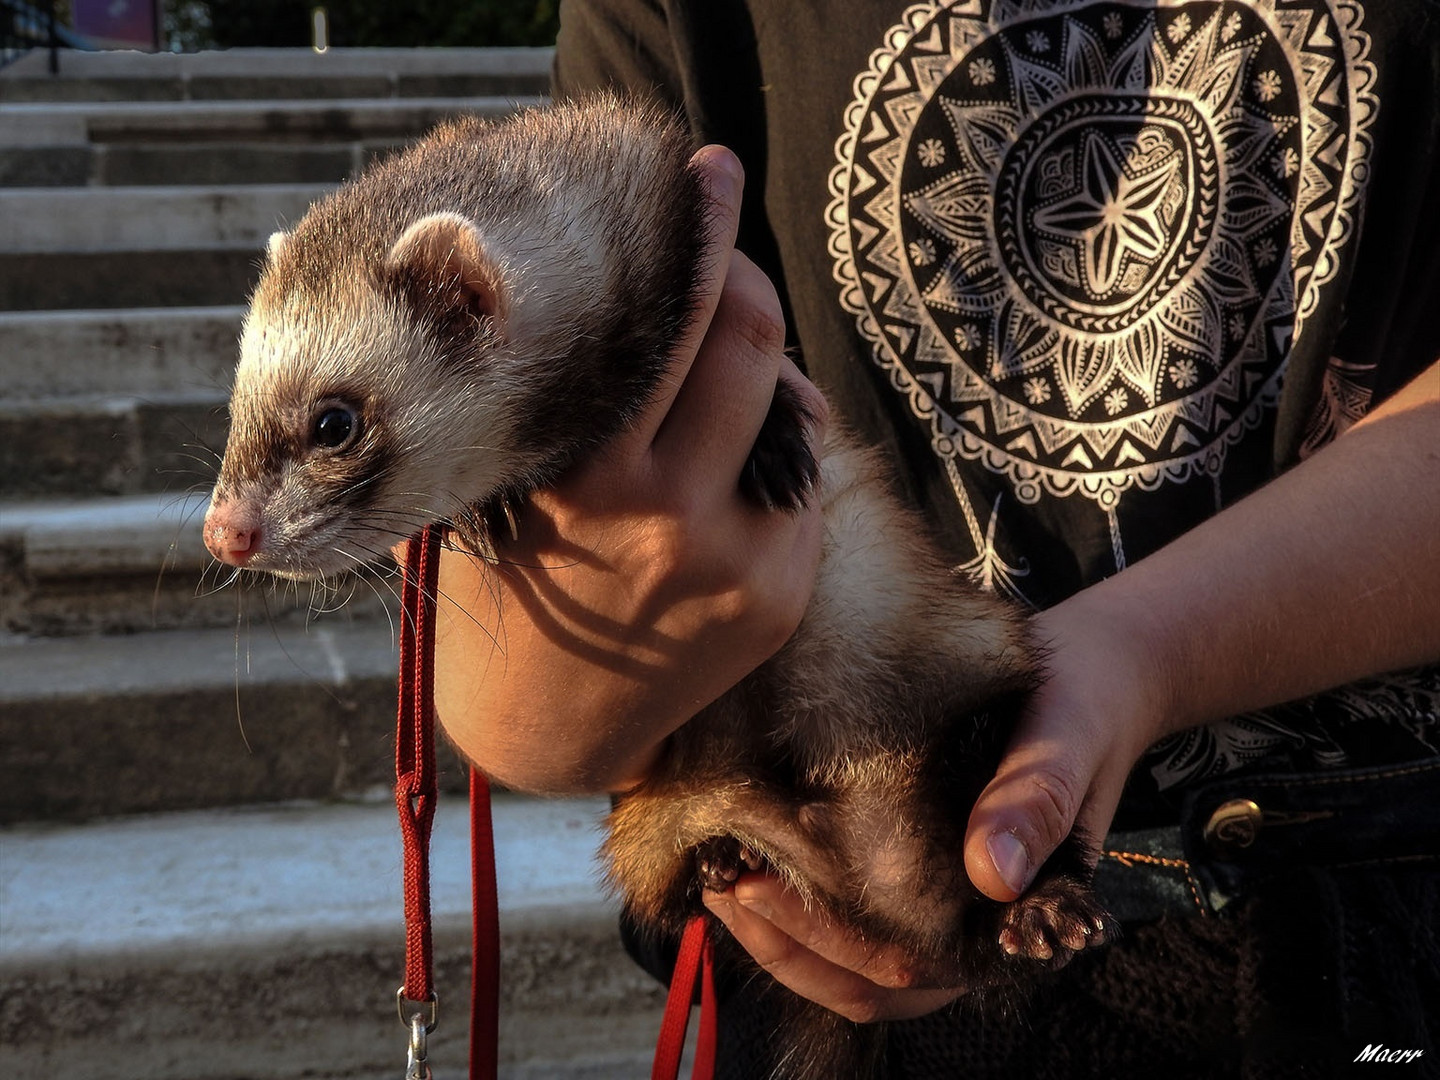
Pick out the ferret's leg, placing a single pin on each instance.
(666, 841)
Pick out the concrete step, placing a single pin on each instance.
(277, 73)
(141, 352)
(113, 403)
(78, 124)
(109, 444)
(92, 220)
(267, 943)
(239, 142)
(140, 247)
(136, 563)
(175, 720)
(116, 164)
(68, 280)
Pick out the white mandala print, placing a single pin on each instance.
(1082, 238)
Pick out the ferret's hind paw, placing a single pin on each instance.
(717, 863)
(720, 860)
(782, 470)
(1053, 922)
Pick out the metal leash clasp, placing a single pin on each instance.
(420, 1017)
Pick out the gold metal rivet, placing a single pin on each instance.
(1233, 825)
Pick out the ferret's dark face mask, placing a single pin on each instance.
(349, 432)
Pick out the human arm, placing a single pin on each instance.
(642, 585)
(1328, 574)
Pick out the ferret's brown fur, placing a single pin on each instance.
(479, 311)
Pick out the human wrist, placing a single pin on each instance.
(1113, 641)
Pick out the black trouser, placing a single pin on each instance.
(1283, 940)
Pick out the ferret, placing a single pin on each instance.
(466, 319)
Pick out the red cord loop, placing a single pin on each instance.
(696, 960)
(416, 787)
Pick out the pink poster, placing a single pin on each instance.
(117, 24)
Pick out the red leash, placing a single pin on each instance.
(485, 935)
(696, 960)
(416, 792)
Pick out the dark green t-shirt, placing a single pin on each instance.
(1090, 272)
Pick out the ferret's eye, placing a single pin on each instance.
(335, 427)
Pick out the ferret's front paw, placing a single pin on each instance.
(1058, 918)
(782, 470)
(722, 859)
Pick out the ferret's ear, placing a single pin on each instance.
(441, 261)
(275, 245)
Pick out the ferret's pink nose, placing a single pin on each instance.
(229, 540)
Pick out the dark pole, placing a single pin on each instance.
(54, 43)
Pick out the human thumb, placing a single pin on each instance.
(1028, 809)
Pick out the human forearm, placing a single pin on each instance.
(1328, 574)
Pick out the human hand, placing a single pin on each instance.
(1103, 702)
(642, 585)
(828, 964)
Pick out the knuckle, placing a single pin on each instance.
(752, 308)
(670, 539)
(1057, 800)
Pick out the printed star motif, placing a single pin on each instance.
(1037, 391)
(1113, 215)
(931, 153)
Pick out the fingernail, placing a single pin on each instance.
(1011, 862)
(724, 163)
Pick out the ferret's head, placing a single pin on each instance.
(370, 398)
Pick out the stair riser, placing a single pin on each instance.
(162, 164)
(169, 599)
(117, 448)
(303, 122)
(273, 87)
(150, 219)
(126, 279)
(76, 758)
(572, 1005)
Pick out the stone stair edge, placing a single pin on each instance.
(174, 897)
(91, 986)
(262, 711)
(57, 124)
(331, 651)
(113, 63)
(139, 353)
(93, 220)
(141, 533)
(107, 402)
